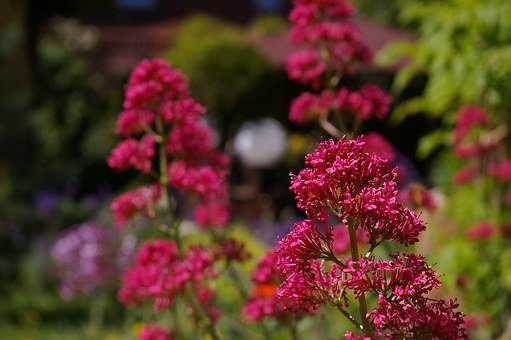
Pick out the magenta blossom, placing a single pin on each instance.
(342, 179)
(154, 332)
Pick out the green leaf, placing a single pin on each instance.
(408, 108)
(393, 53)
(432, 141)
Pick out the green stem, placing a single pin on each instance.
(292, 330)
(355, 255)
(164, 181)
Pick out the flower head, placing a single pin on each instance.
(500, 170)
(160, 272)
(132, 153)
(154, 332)
(468, 118)
(132, 122)
(139, 201)
(153, 82)
(305, 67)
(304, 243)
(341, 178)
(481, 231)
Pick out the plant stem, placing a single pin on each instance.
(164, 180)
(329, 127)
(355, 255)
(292, 330)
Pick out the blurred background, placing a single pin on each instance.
(63, 68)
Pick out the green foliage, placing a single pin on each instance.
(226, 71)
(268, 25)
(463, 47)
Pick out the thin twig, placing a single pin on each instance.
(330, 128)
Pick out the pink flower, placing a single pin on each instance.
(308, 107)
(501, 170)
(184, 110)
(154, 332)
(266, 270)
(190, 140)
(204, 180)
(422, 319)
(159, 273)
(341, 178)
(481, 231)
(468, 118)
(263, 301)
(475, 320)
(311, 286)
(467, 151)
(465, 175)
(206, 297)
(139, 201)
(132, 153)
(151, 277)
(304, 243)
(370, 101)
(417, 197)
(197, 264)
(341, 238)
(305, 67)
(376, 144)
(132, 122)
(350, 336)
(315, 20)
(231, 250)
(214, 213)
(403, 277)
(152, 82)
(402, 285)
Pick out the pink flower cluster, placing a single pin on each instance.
(333, 47)
(370, 101)
(325, 24)
(154, 332)
(159, 113)
(231, 250)
(160, 272)
(470, 123)
(141, 201)
(403, 308)
(340, 178)
(341, 239)
(306, 67)
(418, 197)
(264, 300)
(474, 141)
(481, 231)
(133, 153)
(500, 170)
(359, 188)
